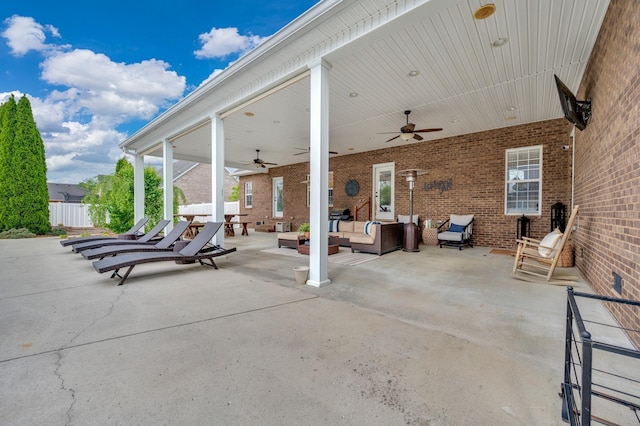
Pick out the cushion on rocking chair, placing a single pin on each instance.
(549, 242)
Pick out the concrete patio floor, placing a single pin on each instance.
(439, 337)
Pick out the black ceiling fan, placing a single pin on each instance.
(408, 132)
(260, 163)
(308, 149)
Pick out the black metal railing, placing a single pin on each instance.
(601, 380)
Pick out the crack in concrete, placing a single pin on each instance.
(63, 386)
(60, 356)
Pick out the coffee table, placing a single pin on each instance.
(303, 245)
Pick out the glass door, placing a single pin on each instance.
(278, 201)
(383, 184)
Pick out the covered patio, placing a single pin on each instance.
(339, 78)
(437, 337)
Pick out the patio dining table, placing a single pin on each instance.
(193, 228)
(228, 224)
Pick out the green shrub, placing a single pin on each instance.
(61, 232)
(304, 227)
(13, 234)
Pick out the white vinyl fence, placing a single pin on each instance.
(77, 215)
(69, 214)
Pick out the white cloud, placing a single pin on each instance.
(23, 34)
(78, 121)
(107, 88)
(221, 42)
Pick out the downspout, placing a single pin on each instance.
(573, 163)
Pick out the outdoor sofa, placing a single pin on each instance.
(364, 236)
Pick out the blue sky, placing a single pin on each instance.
(96, 73)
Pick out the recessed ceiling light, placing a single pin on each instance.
(510, 118)
(413, 73)
(353, 95)
(455, 120)
(249, 114)
(350, 149)
(500, 42)
(484, 11)
(512, 108)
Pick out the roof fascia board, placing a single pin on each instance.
(295, 28)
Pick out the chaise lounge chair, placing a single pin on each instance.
(147, 238)
(130, 233)
(195, 250)
(165, 244)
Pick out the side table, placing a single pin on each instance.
(430, 236)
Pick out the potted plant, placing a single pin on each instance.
(304, 228)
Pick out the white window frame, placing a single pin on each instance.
(523, 169)
(248, 195)
(330, 183)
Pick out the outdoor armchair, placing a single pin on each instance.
(456, 231)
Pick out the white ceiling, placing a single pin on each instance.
(464, 83)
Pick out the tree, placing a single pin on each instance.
(23, 193)
(235, 193)
(7, 131)
(111, 197)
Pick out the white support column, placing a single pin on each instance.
(138, 187)
(167, 181)
(319, 161)
(217, 175)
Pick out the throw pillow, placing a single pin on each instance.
(456, 228)
(367, 227)
(549, 242)
(333, 225)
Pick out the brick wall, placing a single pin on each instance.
(607, 180)
(196, 184)
(475, 163)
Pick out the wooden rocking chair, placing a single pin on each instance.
(538, 258)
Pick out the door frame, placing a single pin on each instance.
(389, 214)
(274, 193)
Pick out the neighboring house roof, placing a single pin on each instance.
(180, 168)
(65, 193)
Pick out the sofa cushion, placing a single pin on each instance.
(358, 227)
(450, 236)
(404, 218)
(461, 219)
(345, 226)
(291, 236)
(362, 239)
(333, 225)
